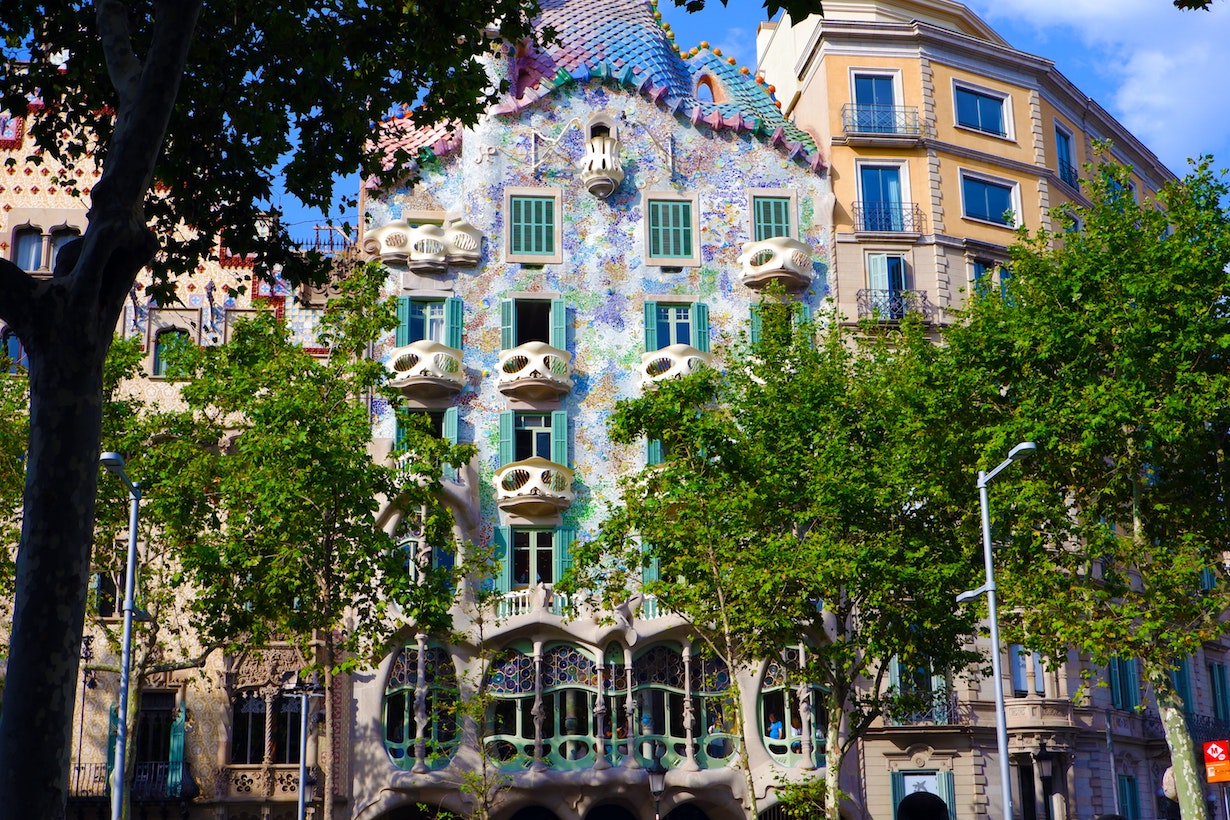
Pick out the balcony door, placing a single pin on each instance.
(881, 195)
(887, 282)
(874, 101)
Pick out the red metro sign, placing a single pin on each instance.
(1217, 761)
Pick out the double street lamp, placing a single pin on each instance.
(1018, 453)
(114, 463)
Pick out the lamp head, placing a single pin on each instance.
(1022, 451)
(114, 462)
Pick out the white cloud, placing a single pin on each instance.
(1162, 72)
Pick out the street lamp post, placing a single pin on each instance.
(114, 463)
(305, 691)
(1018, 453)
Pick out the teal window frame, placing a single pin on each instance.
(1127, 792)
(772, 216)
(660, 327)
(513, 334)
(506, 546)
(945, 785)
(533, 225)
(158, 365)
(671, 231)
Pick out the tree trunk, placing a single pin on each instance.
(66, 350)
(1187, 776)
(832, 760)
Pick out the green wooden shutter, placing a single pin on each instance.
(503, 554)
(450, 435)
(508, 442)
(877, 271)
(670, 229)
(454, 322)
(175, 767)
(653, 452)
(700, 323)
(894, 675)
(559, 324)
(772, 217)
(562, 542)
(651, 570)
(802, 313)
(403, 320)
(1180, 678)
(113, 728)
(508, 324)
(651, 327)
(532, 227)
(559, 437)
(754, 324)
(947, 788)
(898, 789)
(1114, 675)
(1221, 691)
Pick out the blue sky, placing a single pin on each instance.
(1158, 70)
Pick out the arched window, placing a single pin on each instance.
(428, 670)
(791, 710)
(28, 249)
(569, 690)
(59, 238)
(509, 734)
(165, 341)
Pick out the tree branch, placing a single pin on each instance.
(123, 67)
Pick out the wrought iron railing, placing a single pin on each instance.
(1204, 728)
(937, 709)
(894, 120)
(89, 780)
(888, 216)
(1068, 174)
(893, 305)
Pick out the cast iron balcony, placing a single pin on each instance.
(426, 370)
(533, 487)
(888, 217)
(777, 259)
(672, 362)
(535, 371)
(880, 120)
(893, 305)
(1068, 174)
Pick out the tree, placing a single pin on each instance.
(14, 410)
(808, 495)
(203, 118)
(1109, 349)
(269, 495)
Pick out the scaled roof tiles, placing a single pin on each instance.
(622, 41)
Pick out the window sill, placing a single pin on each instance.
(972, 130)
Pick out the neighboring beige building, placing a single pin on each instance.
(933, 127)
(609, 224)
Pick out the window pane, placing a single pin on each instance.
(986, 200)
(28, 249)
(674, 325)
(58, 240)
(980, 111)
(427, 322)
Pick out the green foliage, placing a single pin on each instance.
(267, 487)
(811, 493)
(14, 424)
(1110, 351)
